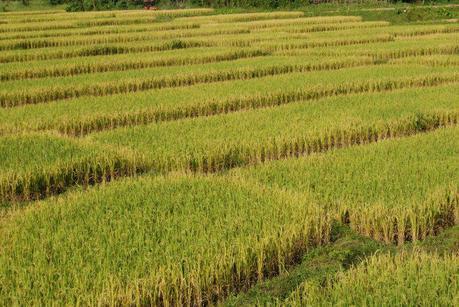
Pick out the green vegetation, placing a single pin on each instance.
(171, 240)
(194, 157)
(386, 204)
(221, 142)
(37, 165)
(347, 250)
(382, 280)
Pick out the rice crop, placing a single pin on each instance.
(38, 165)
(85, 115)
(385, 205)
(382, 281)
(257, 136)
(153, 240)
(182, 157)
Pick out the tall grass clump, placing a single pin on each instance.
(156, 241)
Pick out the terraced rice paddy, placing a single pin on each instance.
(189, 158)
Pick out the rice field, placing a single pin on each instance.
(188, 157)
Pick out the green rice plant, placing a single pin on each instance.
(413, 194)
(404, 279)
(88, 114)
(38, 165)
(170, 241)
(218, 143)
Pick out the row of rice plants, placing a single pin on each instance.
(224, 141)
(174, 25)
(196, 239)
(414, 193)
(64, 67)
(257, 136)
(241, 17)
(154, 27)
(235, 41)
(105, 84)
(328, 27)
(338, 42)
(106, 49)
(76, 23)
(133, 37)
(140, 80)
(263, 24)
(383, 51)
(13, 14)
(38, 165)
(419, 30)
(122, 62)
(112, 38)
(437, 60)
(120, 14)
(86, 114)
(382, 280)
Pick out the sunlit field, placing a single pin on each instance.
(185, 157)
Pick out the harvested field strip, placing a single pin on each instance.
(109, 83)
(167, 221)
(38, 165)
(89, 65)
(86, 115)
(386, 205)
(288, 131)
(381, 281)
